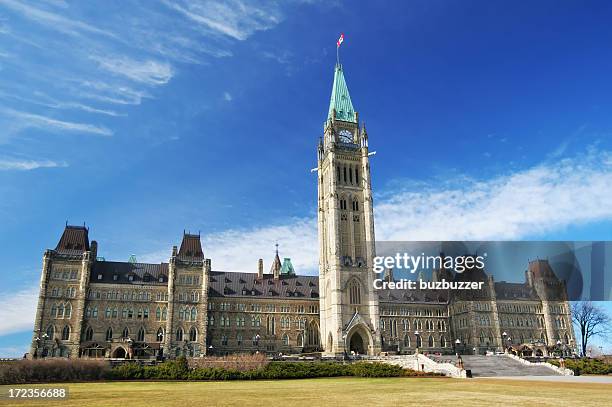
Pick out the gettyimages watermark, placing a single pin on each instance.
(561, 270)
(412, 264)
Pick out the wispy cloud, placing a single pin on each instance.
(29, 120)
(53, 20)
(227, 96)
(27, 165)
(149, 71)
(234, 18)
(18, 310)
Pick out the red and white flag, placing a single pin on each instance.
(340, 40)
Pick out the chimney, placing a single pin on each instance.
(174, 251)
(260, 269)
(94, 249)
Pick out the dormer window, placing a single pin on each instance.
(115, 277)
(130, 278)
(99, 276)
(161, 279)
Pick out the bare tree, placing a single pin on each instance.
(591, 320)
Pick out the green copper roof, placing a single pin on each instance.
(287, 267)
(340, 98)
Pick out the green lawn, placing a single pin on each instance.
(335, 391)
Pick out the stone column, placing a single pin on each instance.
(79, 308)
(170, 320)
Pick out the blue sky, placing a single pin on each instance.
(491, 120)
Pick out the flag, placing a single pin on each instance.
(340, 40)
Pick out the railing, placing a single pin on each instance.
(561, 370)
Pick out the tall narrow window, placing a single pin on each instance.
(160, 335)
(179, 334)
(109, 334)
(50, 332)
(344, 170)
(141, 335)
(354, 293)
(125, 333)
(68, 310)
(66, 333)
(357, 176)
(193, 334)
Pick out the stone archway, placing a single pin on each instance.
(356, 344)
(119, 353)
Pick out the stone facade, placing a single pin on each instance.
(90, 307)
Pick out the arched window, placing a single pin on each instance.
(567, 341)
(158, 313)
(179, 334)
(141, 335)
(194, 314)
(53, 311)
(125, 333)
(442, 341)
(60, 311)
(108, 312)
(406, 341)
(164, 314)
(419, 342)
(430, 341)
(181, 314)
(50, 332)
(239, 339)
(109, 334)
(286, 340)
(66, 333)
(160, 335)
(68, 310)
(193, 334)
(300, 340)
(354, 292)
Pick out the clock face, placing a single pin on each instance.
(346, 136)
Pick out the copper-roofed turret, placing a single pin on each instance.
(191, 247)
(74, 240)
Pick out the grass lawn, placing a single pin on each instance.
(334, 391)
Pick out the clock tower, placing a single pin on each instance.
(348, 305)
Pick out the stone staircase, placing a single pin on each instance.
(500, 365)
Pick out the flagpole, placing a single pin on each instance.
(337, 54)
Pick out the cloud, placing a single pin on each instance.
(27, 165)
(227, 96)
(532, 202)
(234, 18)
(149, 72)
(18, 310)
(528, 203)
(27, 120)
(54, 21)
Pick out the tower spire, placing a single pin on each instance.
(340, 105)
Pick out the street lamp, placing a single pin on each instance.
(456, 344)
(504, 334)
(416, 333)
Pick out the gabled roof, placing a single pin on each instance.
(191, 247)
(74, 240)
(340, 99)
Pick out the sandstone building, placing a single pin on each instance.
(90, 307)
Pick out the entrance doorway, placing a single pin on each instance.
(119, 353)
(356, 344)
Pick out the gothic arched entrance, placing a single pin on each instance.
(119, 353)
(357, 345)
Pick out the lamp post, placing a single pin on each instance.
(416, 333)
(504, 334)
(456, 346)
